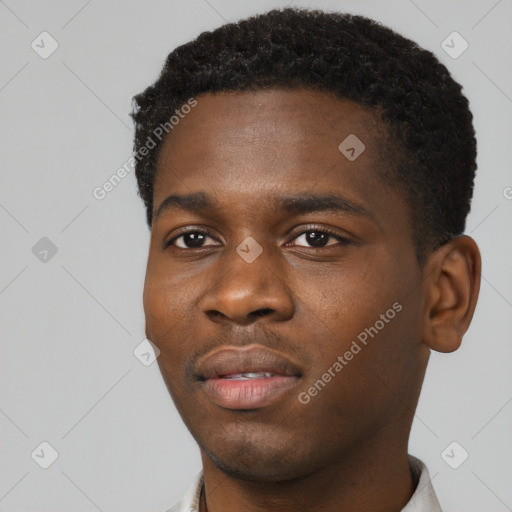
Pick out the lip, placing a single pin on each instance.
(254, 393)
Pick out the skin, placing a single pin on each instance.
(347, 448)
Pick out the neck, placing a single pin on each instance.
(375, 480)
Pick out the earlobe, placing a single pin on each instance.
(452, 284)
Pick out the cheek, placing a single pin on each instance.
(368, 320)
(346, 302)
(365, 380)
(157, 307)
(168, 309)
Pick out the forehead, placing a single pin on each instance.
(263, 143)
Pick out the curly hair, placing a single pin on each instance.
(353, 57)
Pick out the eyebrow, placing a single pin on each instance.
(199, 202)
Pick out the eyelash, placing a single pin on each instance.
(342, 240)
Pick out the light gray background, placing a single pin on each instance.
(69, 326)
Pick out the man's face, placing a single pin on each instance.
(324, 276)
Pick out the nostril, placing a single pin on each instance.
(216, 314)
(262, 312)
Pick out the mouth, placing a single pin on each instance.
(246, 378)
(249, 376)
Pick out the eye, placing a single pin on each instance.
(318, 238)
(190, 240)
(314, 238)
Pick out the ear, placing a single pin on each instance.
(452, 282)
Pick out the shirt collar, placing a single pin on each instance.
(424, 498)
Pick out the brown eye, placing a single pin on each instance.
(190, 240)
(317, 239)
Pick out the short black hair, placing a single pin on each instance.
(356, 58)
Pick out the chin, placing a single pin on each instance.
(257, 463)
(269, 472)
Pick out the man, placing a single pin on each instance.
(306, 178)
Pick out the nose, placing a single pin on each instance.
(245, 292)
